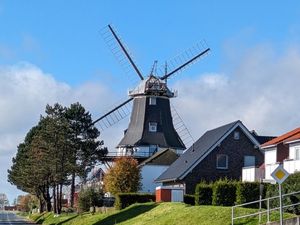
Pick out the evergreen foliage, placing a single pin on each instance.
(203, 194)
(224, 193)
(247, 192)
(124, 200)
(88, 198)
(62, 145)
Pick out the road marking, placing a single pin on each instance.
(8, 218)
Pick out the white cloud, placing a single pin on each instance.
(261, 90)
(24, 92)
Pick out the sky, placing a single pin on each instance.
(53, 51)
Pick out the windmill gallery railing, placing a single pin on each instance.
(267, 207)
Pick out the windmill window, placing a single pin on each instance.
(152, 101)
(222, 161)
(152, 126)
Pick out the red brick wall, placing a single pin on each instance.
(282, 152)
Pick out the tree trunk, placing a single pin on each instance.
(48, 200)
(59, 207)
(72, 190)
(54, 199)
(42, 205)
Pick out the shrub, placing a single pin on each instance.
(247, 192)
(224, 193)
(203, 194)
(123, 177)
(89, 197)
(189, 199)
(124, 200)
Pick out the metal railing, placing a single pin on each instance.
(133, 154)
(261, 211)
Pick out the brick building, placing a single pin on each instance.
(219, 153)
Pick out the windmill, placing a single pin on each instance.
(151, 127)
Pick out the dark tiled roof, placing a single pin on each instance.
(162, 157)
(195, 152)
(262, 139)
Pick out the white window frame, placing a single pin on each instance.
(152, 100)
(252, 156)
(297, 153)
(152, 127)
(236, 135)
(217, 162)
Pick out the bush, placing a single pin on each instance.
(224, 193)
(189, 199)
(203, 194)
(89, 197)
(124, 200)
(292, 184)
(247, 192)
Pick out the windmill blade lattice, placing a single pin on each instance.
(181, 128)
(184, 60)
(121, 52)
(115, 115)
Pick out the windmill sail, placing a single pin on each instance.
(115, 115)
(181, 128)
(121, 52)
(184, 60)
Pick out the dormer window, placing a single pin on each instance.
(152, 101)
(152, 126)
(236, 135)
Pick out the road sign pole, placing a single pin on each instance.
(280, 205)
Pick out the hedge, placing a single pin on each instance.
(224, 193)
(124, 200)
(203, 194)
(247, 192)
(189, 199)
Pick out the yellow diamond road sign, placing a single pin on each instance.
(280, 174)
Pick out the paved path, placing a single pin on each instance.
(10, 218)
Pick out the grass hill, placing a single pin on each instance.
(154, 213)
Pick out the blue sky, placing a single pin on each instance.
(53, 51)
(64, 39)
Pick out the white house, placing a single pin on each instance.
(154, 166)
(284, 149)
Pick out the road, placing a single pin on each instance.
(10, 218)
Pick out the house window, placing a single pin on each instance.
(236, 135)
(152, 126)
(249, 160)
(152, 101)
(297, 153)
(222, 161)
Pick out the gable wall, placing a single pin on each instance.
(235, 149)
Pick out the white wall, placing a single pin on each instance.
(270, 156)
(149, 174)
(292, 148)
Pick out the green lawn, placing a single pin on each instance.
(158, 214)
